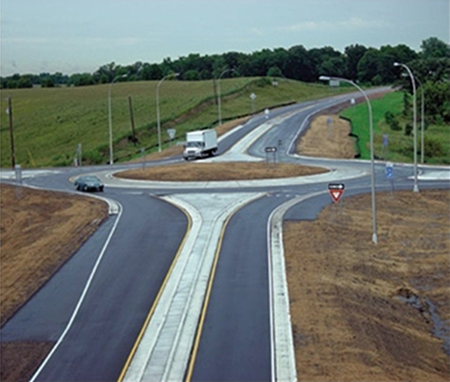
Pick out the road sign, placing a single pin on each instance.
(389, 170)
(171, 133)
(336, 190)
(271, 149)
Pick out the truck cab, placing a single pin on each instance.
(200, 144)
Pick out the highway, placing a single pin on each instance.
(184, 281)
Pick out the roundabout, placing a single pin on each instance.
(189, 276)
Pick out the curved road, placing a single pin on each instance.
(95, 307)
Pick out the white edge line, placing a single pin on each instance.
(80, 301)
(272, 331)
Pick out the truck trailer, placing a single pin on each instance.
(200, 144)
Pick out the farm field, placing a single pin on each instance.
(49, 123)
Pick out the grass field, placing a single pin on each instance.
(50, 122)
(400, 146)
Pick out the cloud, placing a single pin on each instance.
(353, 23)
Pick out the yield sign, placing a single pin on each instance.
(336, 190)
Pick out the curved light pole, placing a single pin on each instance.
(158, 118)
(372, 162)
(416, 187)
(111, 155)
(422, 121)
(218, 94)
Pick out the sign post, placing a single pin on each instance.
(330, 128)
(389, 171)
(252, 98)
(171, 133)
(273, 150)
(385, 146)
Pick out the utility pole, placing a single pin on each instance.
(133, 132)
(11, 133)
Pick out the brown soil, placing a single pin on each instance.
(220, 171)
(40, 230)
(19, 360)
(47, 227)
(351, 321)
(328, 136)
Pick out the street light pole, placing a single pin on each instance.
(158, 117)
(422, 122)
(416, 187)
(111, 155)
(218, 95)
(372, 159)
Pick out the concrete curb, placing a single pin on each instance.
(284, 366)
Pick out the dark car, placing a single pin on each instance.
(88, 183)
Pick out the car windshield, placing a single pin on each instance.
(90, 179)
(194, 144)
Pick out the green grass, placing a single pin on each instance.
(401, 146)
(50, 122)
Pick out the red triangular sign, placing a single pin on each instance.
(336, 195)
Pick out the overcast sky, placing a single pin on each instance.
(73, 36)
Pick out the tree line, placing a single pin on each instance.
(366, 65)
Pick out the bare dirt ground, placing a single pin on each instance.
(40, 230)
(365, 312)
(199, 171)
(328, 137)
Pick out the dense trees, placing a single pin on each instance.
(359, 63)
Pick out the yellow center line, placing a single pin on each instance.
(158, 297)
(201, 322)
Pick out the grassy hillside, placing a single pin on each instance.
(50, 122)
(400, 146)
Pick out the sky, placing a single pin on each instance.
(75, 36)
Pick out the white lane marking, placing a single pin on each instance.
(271, 312)
(80, 301)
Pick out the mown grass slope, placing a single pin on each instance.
(49, 123)
(400, 146)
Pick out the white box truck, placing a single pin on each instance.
(200, 144)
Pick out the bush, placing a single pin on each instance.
(433, 148)
(408, 129)
(392, 121)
